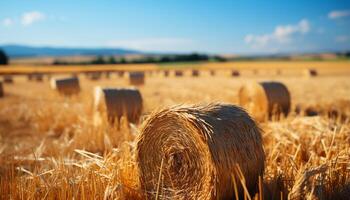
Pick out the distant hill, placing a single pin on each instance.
(18, 51)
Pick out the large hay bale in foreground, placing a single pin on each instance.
(196, 149)
(264, 100)
(8, 79)
(136, 78)
(113, 103)
(1, 90)
(66, 86)
(179, 73)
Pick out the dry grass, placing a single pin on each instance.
(50, 149)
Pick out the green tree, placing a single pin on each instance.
(3, 58)
(112, 60)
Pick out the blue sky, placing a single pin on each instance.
(226, 26)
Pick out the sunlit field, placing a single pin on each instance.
(51, 149)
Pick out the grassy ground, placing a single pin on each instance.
(50, 149)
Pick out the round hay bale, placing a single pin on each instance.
(107, 74)
(113, 103)
(197, 150)
(66, 86)
(310, 73)
(94, 76)
(179, 73)
(136, 78)
(266, 99)
(39, 77)
(120, 74)
(212, 73)
(30, 77)
(1, 90)
(235, 73)
(8, 79)
(278, 72)
(195, 73)
(166, 73)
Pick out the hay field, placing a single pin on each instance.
(49, 148)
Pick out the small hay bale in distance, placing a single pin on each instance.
(66, 86)
(310, 73)
(166, 73)
(39, 77)
(195, 73)
(113, 103)
(94, 76)
(197, 149)
(1, 90)
(179, 73)
(136, 78)
(264, 100)
(120, 74)
(235, 73)
(8, 79)
(212, 72)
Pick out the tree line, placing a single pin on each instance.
(194, 57)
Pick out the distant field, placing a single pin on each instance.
(333, 67)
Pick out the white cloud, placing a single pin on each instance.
(7, 22)
(342, 38)
(154, 44)
(338, 14)
(31, 17)
(282, 34)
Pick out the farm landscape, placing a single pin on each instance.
(51, 147)
(175, 100)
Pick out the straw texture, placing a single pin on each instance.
(66, 86)
(1, 90)
(136, 78)
(179, 73)
(264, 100)
(113, 103)
(197, 149)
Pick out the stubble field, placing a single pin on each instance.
(49, 147)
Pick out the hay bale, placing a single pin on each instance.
(136, 78)
(113, 103)
(266, 99)
(179, 73)
(30, 77)
(195, 73)
(235, 73)
(120, 74)
(39, 77)
(197, 148)
(8, 79)
(212, 73)
(66, 86)
(310, 73)
(94, 76)
(107, 74)
(1, 90)
(166, 73)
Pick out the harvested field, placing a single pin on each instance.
(50, 148)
